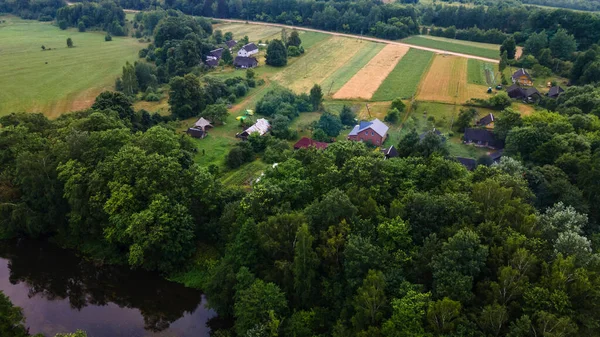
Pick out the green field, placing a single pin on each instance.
(61, 79)
(404, 79)
(344, 73)
(464, 47)
(476, 72)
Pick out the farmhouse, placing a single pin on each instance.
(261, 126)
(212, 62)
(481, 137)
(248, 50)
(390, 152)
(469, 163)
(555, 91)
(529, 94)
(522, 77)
(215, 54)
(230, 44)
(245, 62)
(487, 120)
(307, 142)
(374, 132)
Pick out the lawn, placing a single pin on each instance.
(457, 46)
(254, 32)
(476, 72)
(404, 79)
(61, 79)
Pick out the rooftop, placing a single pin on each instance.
(376, 125)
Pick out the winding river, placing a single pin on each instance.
(61, 292)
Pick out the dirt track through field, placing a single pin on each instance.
(367, 80)
(446, 81)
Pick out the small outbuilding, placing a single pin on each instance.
(496, 156)
(230, 44)
(245, 62)
(248, 50)
(522, 77)
(261, 127)
(487, 120)
(555, 91)
(196, 132)
(306, 142)
(390, 152)
(481, 138)
(202, 124)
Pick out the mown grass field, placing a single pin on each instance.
(404, 79)
(464, 47)
(318, 65)
(58, 80)
(344, 73)
(476, 72)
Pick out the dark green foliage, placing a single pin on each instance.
(347, 116)
(465, 118)
(398, 104)
(276, 54)
(239, 155)
(107, 16)
(393, 116)
(107, 37)
(215, 113)
(294, 39)
(510, 47)
(316, 97)
(186, 97)
(12, 320)
(330, 123)
(227, 57)
(69, 42)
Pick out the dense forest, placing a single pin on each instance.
(43, 10)
(105, 15)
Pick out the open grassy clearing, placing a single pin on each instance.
(316, 66)
(58, 80)
(476, 72)
(404, 79)
(451, 45)
(254, 32)
(344, 73)
(446, 81)
(367, 80)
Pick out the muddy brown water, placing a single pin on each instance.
(61, 292)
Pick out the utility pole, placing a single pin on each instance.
(368, 110)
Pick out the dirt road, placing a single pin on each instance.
(374, 39)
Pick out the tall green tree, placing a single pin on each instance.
(294, 39)
(369, 301)
(227, 57)
(276, 54)
(316, 97)
(186, 96)
(69, 42)
(129, 79)
(256, 305)
(330, 123)
(563, 45)
(347, 116)
(509, 45)
(305, 266)
(408, 315)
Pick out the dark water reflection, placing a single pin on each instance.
(60, 292)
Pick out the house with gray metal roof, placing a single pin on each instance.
(374, 132)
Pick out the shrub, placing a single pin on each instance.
(293, 51)
(108, 37)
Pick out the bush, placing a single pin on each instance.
(151, 97)
(241, 90)
(239, 155)
(293, 51)
(393, 116)
(108, 37)
(81, 26)
(63, 24)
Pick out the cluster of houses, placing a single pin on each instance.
(523, 89)
(243, 59)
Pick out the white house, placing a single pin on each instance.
(248, 50)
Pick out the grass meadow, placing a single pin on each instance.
(456, 46)
(61, 79)
(344, 73)
(404, 79)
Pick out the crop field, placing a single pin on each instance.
(476, 72)
(404, 79)
(318, 66)
(465, 47)
(61, 79)
(446, 81)
(344, 73)
(367, 80)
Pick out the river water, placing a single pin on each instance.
(61, 292)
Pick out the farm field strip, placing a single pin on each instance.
(495, 47)
(318, 64)
(446, 81)
(476, 72)
(367, 80)
(404, 79)
(344, 73)
(452, 46)
(62, 79)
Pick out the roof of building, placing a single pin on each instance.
(307, 142)
(231, 43)
(195, 132)
(496, 155)
(375, 125)
(521, 72)
(531, 91)
(469, 163)
(479, 135)
(435, 131)
(555, 91)
(202, 123)
(242, 61)
(250, 47)
(486, 120)
(261, 126)
(390, 152)
(212, 62)
(216, 53)
(515, 91)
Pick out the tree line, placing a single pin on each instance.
(106, 15)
